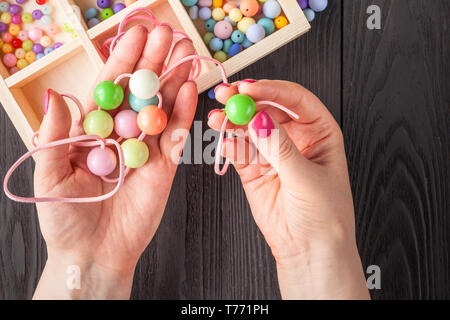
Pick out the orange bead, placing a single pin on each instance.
(152, 120)
(249, 8)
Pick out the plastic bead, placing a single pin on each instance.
(271, 9)
(208, 37)
(30, 56)
(235, 49)
(9, 60)
(237, 36)
(3, 27)
(7, 37)
(20, 53)
(4, 6)
(7, 48)
(205, 3)
(189, 3)
(125, 124)
(227, 7)
(211, 94)
(246, 43)
(27, 45)
(227, 45)
(216, 44)
(318, 5)
(255, 33)
(209, 25)
(235, 15)
(22, 63)
(38, 48)
(144, 84)
(303, 4)
(16, 43)
(45, 41)
(93, 22)
(53, 29)
(37, 14)
(108, 95)
(204, 13)
(101, 161)
(268, 25)
(152, 120)
(217, 3)
(309, 14)
(98, 122)
(35, 34)
(5, 18)
(27, 18)
(16, 19)
(23, 35)
(227, 18)
(90, 13)
(135, 153)
(220, 56)
(46, 20)
(14, 29)
(103, 4)
(41, 2)
(193, 12)
(107, 13)
(245, 23)
(67, 27)
(48, 50)
(223, 30)
(118, 7)
(46, 9)
(57, 45)
(280, 22)
(14, 9)
(138, 104)
(218, 14)
(40, 56)
(240, 109)
(249, 8)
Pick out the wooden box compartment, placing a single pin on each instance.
(72, 68)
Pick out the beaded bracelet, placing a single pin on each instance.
(132, 127)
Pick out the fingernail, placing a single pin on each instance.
(165, 24)
(263, 125)
(220, 85)
(248, 80)
(212, 111)
(47, 100)
(193, 81)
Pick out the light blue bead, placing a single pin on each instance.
(193, 12)
(47, 9)
(267, 24)
(216, 44)
(255, 33)
(189, 3)
(93, 22)
(90, 13)
(4, 6)
(48, 50)
(226, 45)
(39, 56)
(46, 19)
(227, 18)
(204, 13)
(318, 5)
(237, 36)
(309, 14)
(246, 43)
(138, 104)
(271, 9)
(235, 49)
(209, 25)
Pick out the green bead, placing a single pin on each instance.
(98, 122)
(240, 109)
(135, 152)
(220, 56)
(107, 13)
(207, 37)
(27, 45)
(27, 18)
(108, 95)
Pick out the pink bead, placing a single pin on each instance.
(125, 124)
(23, 35)
(35, 34)
(223, 29)
(16, 19)
(101, 162)
(205, 3)
(7, 37)
(14, 70)
(9, 60)
(53, 29)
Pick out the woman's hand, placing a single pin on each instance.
(105, 239)
(295, 176)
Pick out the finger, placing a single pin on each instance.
(224, 92)
(289, 94)
(123, 59)
(55, 126)
(156, 49)
(177, 130)
(215, 121)
(172, 84)
(279, 150)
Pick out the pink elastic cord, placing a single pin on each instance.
(79, 141)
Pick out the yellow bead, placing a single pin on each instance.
(14, 29)
(27, 18)
(22, 63)
(235, 15)
(20, 53)
(7, 48)
(280, 22)
(218, 14)
(220, 56)
(217, 3)
(5, 17)
(207, 37)
(245, 23)
(30, 56)
(67, 27)
(45, 41)
(1, 43)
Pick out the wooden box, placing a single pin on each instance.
(73, 67)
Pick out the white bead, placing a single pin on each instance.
(144, 84)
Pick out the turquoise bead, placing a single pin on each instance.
(237, 36)
(139, 104)
(209, 25)
(91, 13)
(189, 3)
(267, 24)
(216, 44)
(246, 43)
(227, 45)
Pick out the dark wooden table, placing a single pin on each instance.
(389, 89)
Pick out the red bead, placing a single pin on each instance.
(16, 43)
(41, 2)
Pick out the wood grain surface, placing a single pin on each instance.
(387, 88)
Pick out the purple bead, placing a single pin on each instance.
(57, 45)
(14, 9)
(21, 1)
(37, 14)
(303, 4)
(38, 48)
(3, 27)
(118, 7)
(103, 3)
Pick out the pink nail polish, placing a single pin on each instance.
(220, 85)
(249, 80)
(263, 125)
(47, 100)
(212, 111)
(165, 24)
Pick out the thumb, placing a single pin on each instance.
(274, 144)
(55, 126)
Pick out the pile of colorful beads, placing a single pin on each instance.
(233, 26)
(19, 46)
(106, 9)
(310, 7)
